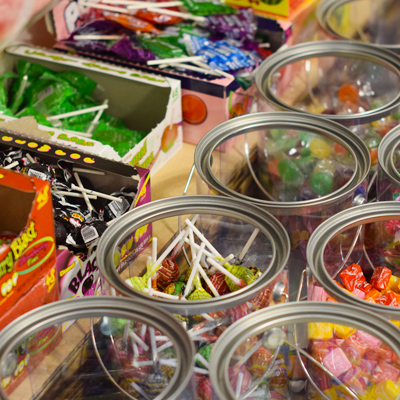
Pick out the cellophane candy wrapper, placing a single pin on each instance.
(201, 7)
(240, 26)
(221, 54)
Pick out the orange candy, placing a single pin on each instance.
(194, 109)
(348, 93)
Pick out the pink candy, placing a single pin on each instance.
(359, 293)
(371, 341)
(317, 294)
(336, 362)
(384, 371)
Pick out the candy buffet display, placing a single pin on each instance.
(188, 275)
(108, 350)
(353, 258)
(355, 84)
(307, 351)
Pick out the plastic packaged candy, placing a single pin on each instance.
(208, 294)
(132, 23)
(201, 7)
(125, 49)
(96, 347)
(240, 26)
(355, 84)
(354, 258)
(309, 351)
(160, 47)
(300, 168)
(220, 54)
(157, 18)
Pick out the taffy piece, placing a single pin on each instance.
(354, 348)
(388, 298)
(364, 286)
(320, 330)
(342, 331)
(317, 293)
(358, 293)
(355, 379)
(336, 362)
(351, 277)
(387, 390)
(385, 371)
(380, 278)
(394, 284)
(371, 341)
(372, 295)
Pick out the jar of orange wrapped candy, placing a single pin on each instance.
(354, 258)
(208, 260)
(308, 350)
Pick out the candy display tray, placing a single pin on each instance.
(142, 101)
(115, 176)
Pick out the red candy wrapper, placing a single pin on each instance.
(352, 276)
(380, 278)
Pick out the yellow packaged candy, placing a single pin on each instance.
(320, 330)
(394, 284)
(342, 331)
(386, 390)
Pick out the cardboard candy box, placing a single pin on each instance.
(27, 213)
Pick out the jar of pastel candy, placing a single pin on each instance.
(207, 260)
(388, 181)
(300, 168)
(354, 258)
(367, 21)
(355, 84)
(308, 351)
(96, 348)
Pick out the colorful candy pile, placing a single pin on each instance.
(358, 360)
(81, 214)
(156, 32)
(210, 275)
(63, 100)
(298, 166)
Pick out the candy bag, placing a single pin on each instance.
(203, 7)
(156, 18)
(161, 48)
(82, 83)
(124, 49)
(132, 23)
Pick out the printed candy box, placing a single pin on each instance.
(143, 102)
(27, 251)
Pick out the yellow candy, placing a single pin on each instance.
(343, 331)
(325, 165)
(320, 330)
(394, 284)
(320, 148)
(397, 323)
(331, 393)
(386, 390)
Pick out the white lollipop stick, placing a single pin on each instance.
(207, 317)
(239, 384)
(199, 332)
(12, 165)
(72, 194)
(203, 239)
(191, 68)
(135, 5)
(153, 344)
(175, 60)
(207, 280)
(154, 250)
(178, 247)
(202, 360)
(30, 158)
(104, 7)
(250, 352)
(167, 251)
(135, 349)
(87, 201)
(143, 330)
(138, 340)
(248, 244)
(164, 346)
(96, 118)
(177, 14)
(156, 293)
(235, 280)
(194, 271)
(161, 338)
(200, 370)
(126, 331)
(78, 112)
(98, 194)
(197, 247)
(193, 244)
(98, 37)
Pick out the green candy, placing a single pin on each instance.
(117, 326)
(199, 294)
(205, 351)
(322, 183)
(82, 83)
(240, 272)
(174, 288)
(138, 283)
(289, 172)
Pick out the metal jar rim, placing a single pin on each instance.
(344, 220)
(118, 307)
(386, 149)
(324, 11)
(175, 206)
(303, 51)
(292, 313)
(251, 122)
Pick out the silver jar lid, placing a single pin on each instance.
(97, 307)
(184, 205)
(242, 125)
(339, 48)
(387, 147)
(326, 10)
(273, 319)
(350, 218)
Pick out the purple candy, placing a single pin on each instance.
(124, 49)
